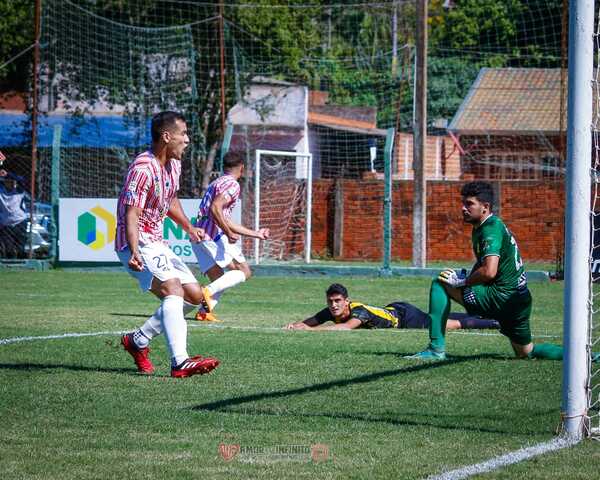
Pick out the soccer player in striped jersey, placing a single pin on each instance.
(496, 286)
(149, 194)
(219, 250)
(347, 315)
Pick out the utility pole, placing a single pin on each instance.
(222, 58)
(419, 257)
(34, 119)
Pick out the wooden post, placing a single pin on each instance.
(420, 140)
(222, 57)
(338, 219)
(34, 114)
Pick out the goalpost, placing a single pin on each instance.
(283, 203)
(579, 389)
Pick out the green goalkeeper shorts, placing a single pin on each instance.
(512, 314)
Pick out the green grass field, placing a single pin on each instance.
(73, 407)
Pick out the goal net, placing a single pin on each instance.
(278, 196)
(593, 387)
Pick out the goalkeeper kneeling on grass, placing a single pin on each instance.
(347, 315)
(496, 286)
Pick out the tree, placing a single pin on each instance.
(16, 35)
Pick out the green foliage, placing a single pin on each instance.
(449, 80)
(16, 34)
(477, 25)
(341, 47)
(284, 32)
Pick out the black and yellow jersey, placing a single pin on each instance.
(394, 315)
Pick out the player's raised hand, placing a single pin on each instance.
(450, 277)
(263, 233)
(135, 262)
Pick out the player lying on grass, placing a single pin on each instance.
(346, 315)
(148, 195)
(495, 288)
(218, 250)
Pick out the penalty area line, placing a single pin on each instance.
(7, 341)
(60, 336)
(506, 459)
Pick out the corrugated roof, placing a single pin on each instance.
(511, 100)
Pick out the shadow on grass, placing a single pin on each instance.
(408, 419)
(319, 387)
(486, 356)
(74, 368)
(135, 315)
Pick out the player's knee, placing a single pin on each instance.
(193, 293)
(522, 351)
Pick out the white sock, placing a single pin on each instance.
(153, 327)
(229, 279)
(175, 328)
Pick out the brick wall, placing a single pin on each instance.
(533, 211)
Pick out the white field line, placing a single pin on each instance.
(506, 459)
(7, 341)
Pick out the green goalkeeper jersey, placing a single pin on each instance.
(492, 237)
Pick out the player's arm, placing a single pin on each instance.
(232, 230)
(482, 273)
(486, 272)
(177, 214)
(350, 324)
(132, 217)
(304, 324)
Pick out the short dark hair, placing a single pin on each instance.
(482, 191)
(164, 121)
(337, 289)
(232, 160)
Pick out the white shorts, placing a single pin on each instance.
(160, 262)
(219, 252)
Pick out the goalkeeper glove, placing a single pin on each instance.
(450, 277)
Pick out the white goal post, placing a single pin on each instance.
(303, 171)
(577, 297)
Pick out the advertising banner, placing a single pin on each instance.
(87, 229)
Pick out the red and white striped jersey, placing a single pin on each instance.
(151, 187)
(225, 185)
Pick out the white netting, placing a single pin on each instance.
(283, 206)
(594, 324)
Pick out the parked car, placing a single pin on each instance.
(40, 240)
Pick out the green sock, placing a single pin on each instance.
(548, 351)
(439, 309)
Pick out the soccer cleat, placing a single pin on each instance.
(140, 355)
(428, 354)
(208, 303)
(202, 316)
(197, 365)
